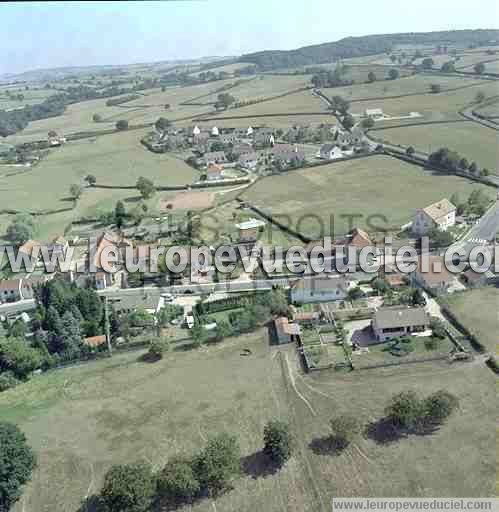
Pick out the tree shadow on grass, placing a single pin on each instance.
(133, 199)
(91, 504)
(326, 446)
(258, 465)
(384, 431)
(149, 358)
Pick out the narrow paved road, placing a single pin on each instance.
(483, 233)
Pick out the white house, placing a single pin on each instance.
(215, 132)
(249, 229)
(374, 113)
(441, 215)
(330, 152)
(320, 289)
(196, 130)
(248, 160)
(249, 131)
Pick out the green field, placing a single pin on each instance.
(477, 310)
(489, 110)
(298, 102)
(117, 159)
(82, 420)
(419, 83)
(376, 185)
(470, 139)
(433, 107)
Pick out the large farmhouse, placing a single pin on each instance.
(440, 215)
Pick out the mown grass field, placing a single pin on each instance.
(477, 310)
(82, 420)
(117, 159)
(376, 185)
(470, 139)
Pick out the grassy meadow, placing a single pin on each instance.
(116, 159)
(470, 139)
(433, 107)
(412, 84)
(376, 185)
(477, 310)
(82, 420)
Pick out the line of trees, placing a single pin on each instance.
(407, 413)
(453, 161)
(186, 479)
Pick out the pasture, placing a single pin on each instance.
(116, 159)
(433, 107)
(82, 420)
(298, 102)
(470, 139)
(317, 202)
(264, 86)
(477, 310)
(413, 84)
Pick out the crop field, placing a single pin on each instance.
(419, 83)
(472, 140)
(477, 310)
(376, 185)
(433, 107)
(82, 420)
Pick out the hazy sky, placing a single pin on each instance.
(50, 34)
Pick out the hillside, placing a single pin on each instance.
(365, 45)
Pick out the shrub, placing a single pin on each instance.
(122, 125)
(7, 380)
(157, 348)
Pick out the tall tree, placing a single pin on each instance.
(119, 214)
(218, 463)
(393, 74)
(145, 187)
(22, 228)
(479, 68)
(277, 442)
